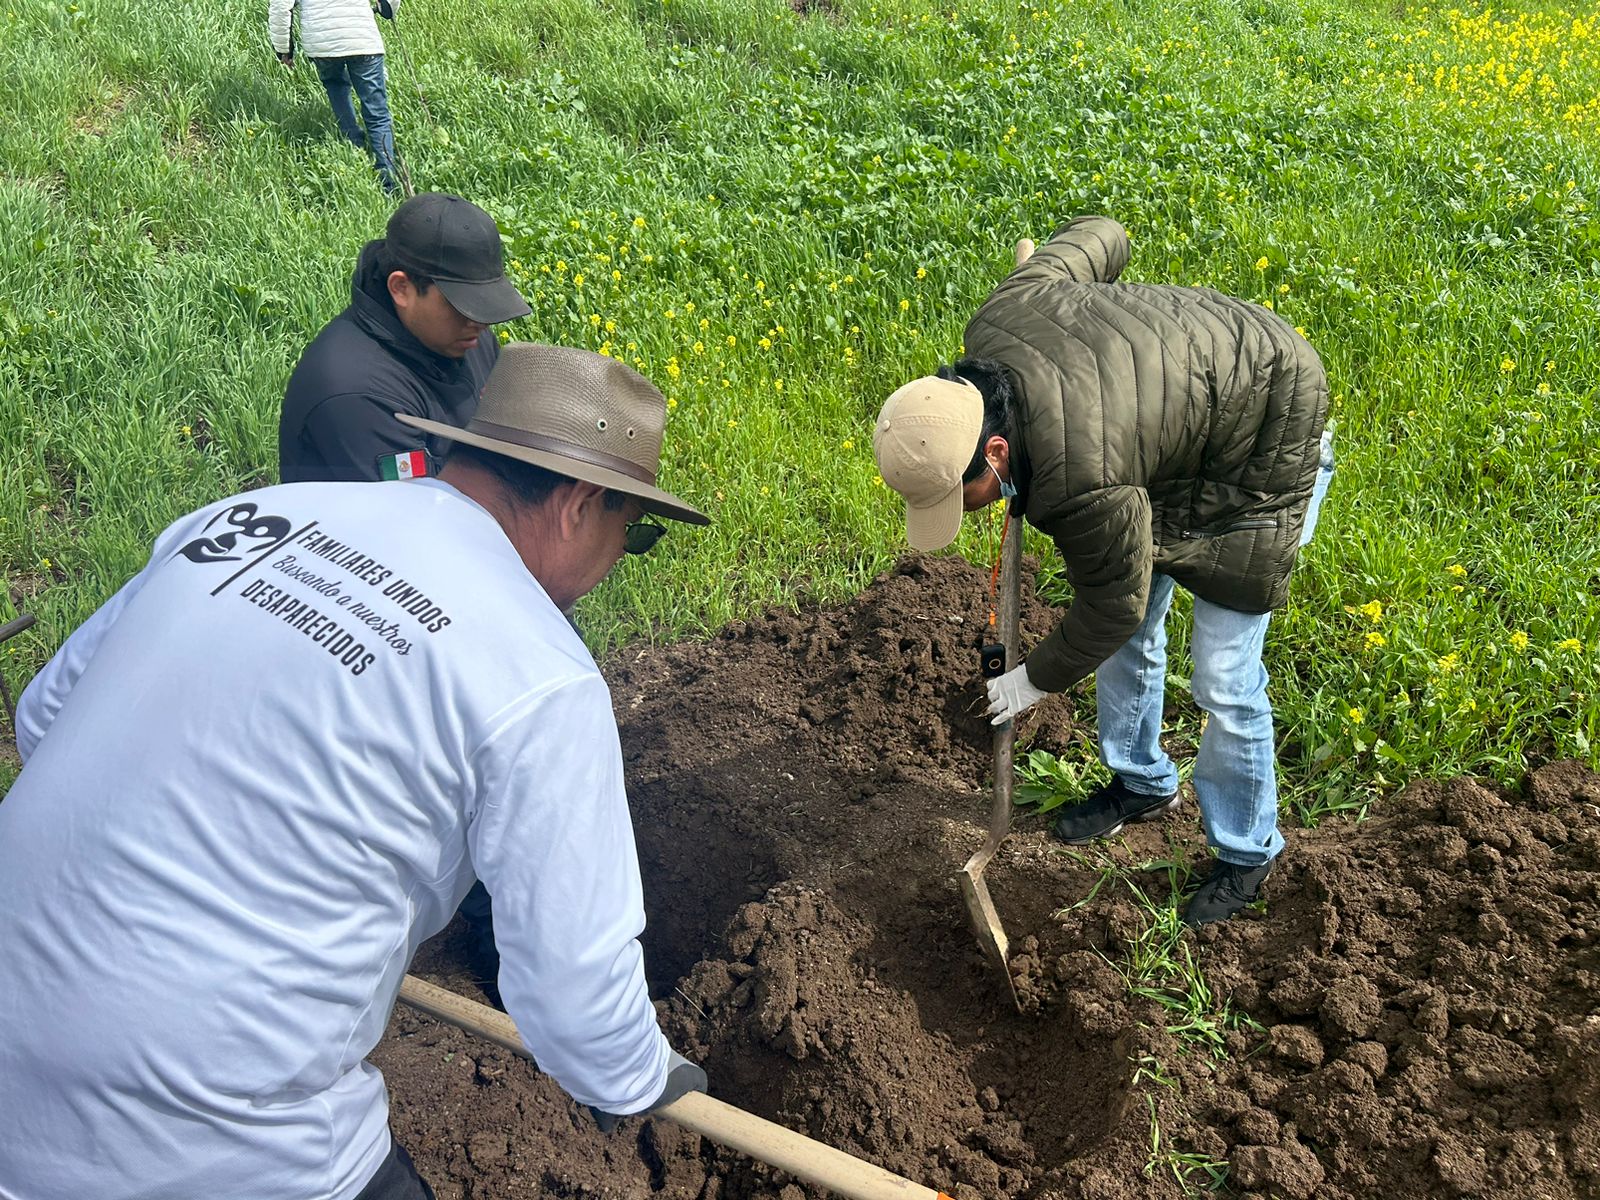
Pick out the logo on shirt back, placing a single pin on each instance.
(315, 596)
(240, 521)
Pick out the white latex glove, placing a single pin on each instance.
(1011, 695)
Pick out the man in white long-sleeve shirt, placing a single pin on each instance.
(273, 763)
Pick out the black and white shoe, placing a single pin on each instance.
(1107, 810)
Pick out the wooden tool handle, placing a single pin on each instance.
(724, 1124)
(1005, 735)
(11, 628)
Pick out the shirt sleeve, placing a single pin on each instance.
(352, 431)
(48, 691)
(278, 24)
(1105, 542)
(552, 841)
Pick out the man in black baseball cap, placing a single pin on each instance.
(415, 339)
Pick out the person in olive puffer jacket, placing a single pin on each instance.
(1160, 436)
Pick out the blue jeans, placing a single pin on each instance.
(364, 74)
(1235, 772)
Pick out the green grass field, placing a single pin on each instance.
(778, 216)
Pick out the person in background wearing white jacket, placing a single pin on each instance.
(274, 762)
(342, 39)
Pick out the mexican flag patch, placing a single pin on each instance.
(413, 464)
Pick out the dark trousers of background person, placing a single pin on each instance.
(363, 75)
(478, 913)
(397, 1179)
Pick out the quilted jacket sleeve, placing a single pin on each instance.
(1084, 250)
(1104, 540)
(279, 13)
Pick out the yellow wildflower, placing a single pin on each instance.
(922, 272)
(1508, 364)
(1457, 570)
(1570, 645)
(1372, 610)
(1519, 640)
(777, 385)
(1448, 663)
(638, 222)
(904, 305)
(1375, 639)
(1356, 716)
(1262, 263)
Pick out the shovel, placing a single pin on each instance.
(724, 1124)
(985, 921)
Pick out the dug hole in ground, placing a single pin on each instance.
(1424, 989)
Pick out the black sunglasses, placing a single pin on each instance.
(641, 535)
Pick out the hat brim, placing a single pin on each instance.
(935, 526)
(653, 499)
(486, 303)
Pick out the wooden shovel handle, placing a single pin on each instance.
(11, 628)
(724, 1124)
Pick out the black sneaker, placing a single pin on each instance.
(1226, 890)
(1107, 810)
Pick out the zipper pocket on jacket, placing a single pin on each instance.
(1237, 526)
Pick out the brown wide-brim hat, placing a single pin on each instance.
(577, 413)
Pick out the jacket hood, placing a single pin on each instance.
(373, 311)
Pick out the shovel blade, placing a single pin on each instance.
(986, 924)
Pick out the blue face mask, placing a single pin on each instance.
(1007, 491)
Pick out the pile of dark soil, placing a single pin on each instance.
(1424, 989)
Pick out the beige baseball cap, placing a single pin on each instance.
(926, 435)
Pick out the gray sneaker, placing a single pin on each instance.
(1226, 890)
(1107, 810)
